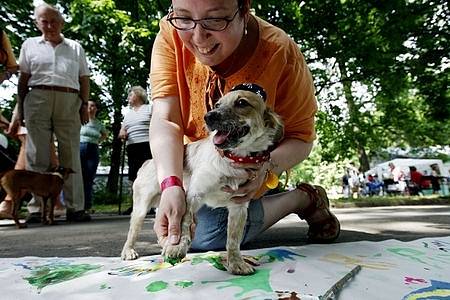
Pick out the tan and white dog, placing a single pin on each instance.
(240, 126)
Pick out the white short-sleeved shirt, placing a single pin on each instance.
(62, 65)
(137, 123)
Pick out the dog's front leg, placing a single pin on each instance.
(141, 203)
(51, 212)
(237, 217)
(174, 253)
(16, 202)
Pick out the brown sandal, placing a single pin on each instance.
(323, 231)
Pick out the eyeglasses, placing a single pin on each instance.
(212, 24)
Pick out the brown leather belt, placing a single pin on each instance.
(55, 88)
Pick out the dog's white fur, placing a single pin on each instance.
(206, 171)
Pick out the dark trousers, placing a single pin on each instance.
(137, 154)
(89, 163)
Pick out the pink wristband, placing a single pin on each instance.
(171, 181)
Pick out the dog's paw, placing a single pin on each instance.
(174, 253)
(129, 254)
(21, 225)
(238, 266)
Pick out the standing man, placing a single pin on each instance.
(53, 95)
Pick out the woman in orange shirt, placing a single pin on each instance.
(203, 49)
(8, 64)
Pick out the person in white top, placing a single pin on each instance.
(53, 93)
(135, 130)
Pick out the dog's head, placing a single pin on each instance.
(64, 172)
(241, 121)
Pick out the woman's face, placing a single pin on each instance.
(92, 107)
(134, 100)
(210, 47)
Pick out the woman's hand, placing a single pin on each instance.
(123, 135)
(256, 178)
(13, 126)
(171, 210)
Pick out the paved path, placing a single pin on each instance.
(105, 235)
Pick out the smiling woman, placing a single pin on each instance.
(203, 49)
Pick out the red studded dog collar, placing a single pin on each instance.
(251, 159)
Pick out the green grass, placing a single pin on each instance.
(390, 201)
(111, 208)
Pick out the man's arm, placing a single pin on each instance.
(84, 95)
(22, 91)
(84, 88)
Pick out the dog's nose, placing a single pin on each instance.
(211, 116)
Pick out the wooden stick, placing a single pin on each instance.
(338, 286)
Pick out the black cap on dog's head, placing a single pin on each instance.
(251, 87)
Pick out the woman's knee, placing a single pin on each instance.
(211, 229)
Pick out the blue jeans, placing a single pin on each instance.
(211, 227)
(89, 163)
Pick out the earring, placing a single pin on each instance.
(245, 29)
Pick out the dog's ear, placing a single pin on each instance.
(273, 121)
(68, 171)
(53, 169)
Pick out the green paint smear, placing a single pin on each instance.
(184, 283)
(214, 259)
(421, 257)
(156, 286)
(56, 273)
(104, 287)
(172, 260)
(257, 281)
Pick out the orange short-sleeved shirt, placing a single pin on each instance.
(7, 58)
(277, 65)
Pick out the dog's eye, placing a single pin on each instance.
(241, 102)
(217, 105)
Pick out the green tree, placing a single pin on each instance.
(117, 36)
(360, 46)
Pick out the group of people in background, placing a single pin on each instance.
(53, 101)
(395, 181)
(53, 92)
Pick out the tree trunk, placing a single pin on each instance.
(354, 117)
(116, 156)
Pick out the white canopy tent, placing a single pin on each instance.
(422, 165)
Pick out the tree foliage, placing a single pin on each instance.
(381, 68)
(368, 74)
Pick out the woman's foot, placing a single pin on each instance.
(6, 210)
(324, 227)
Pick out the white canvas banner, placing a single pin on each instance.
(389, 270)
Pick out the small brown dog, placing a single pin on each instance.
(47, 185)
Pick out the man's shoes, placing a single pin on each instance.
(59, 212)
(78, 216)
(33, 218)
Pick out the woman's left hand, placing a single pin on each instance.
(256, 178)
